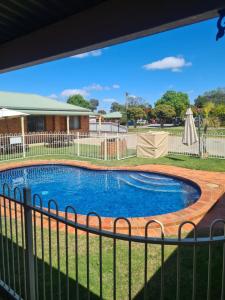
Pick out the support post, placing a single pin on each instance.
(199, 137)
(78, 144)
(99, 124)
(105, 147)
(68, 125)
(117, 147)
(30, 275)
(23, 136)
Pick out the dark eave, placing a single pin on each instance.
(35, 31)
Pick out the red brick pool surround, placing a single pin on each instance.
(211, 184)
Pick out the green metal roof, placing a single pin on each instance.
(38, 105)
(113, 115)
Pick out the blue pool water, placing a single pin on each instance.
(109, 193)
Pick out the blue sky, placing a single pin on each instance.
(186, 59)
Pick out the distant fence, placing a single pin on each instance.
(88, 145)
(210, 145)
(102, 146)
(107, 127)
(46, 254)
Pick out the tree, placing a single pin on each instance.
(178, 100)
(79, 101)
(216, 96)
(164, 112)
(94, 103)
(207, 110)
(102, 112)
(135, 113)
(136, 101)
(115, 106)
(219, 112)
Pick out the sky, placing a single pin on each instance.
(186, 59)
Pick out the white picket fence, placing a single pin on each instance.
(88, 145)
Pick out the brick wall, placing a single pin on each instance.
(10, 126)
(53, 123)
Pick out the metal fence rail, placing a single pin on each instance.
(210, 145)
(46, 255)
(95, 146)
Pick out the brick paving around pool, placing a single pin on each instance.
(207, 208)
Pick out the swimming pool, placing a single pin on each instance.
(108, 193)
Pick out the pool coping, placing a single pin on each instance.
(211, 184)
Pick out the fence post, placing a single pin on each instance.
(23, 137)
(78, 143)
(30, 276)
(117, 147)
(105, 147)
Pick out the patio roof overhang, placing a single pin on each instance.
(56, 113)
(32, 32)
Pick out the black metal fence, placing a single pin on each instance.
(48, 256)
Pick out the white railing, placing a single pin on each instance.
(98, 145)
(94, 146)
(107, 127)
(210, 145)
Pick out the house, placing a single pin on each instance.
(113, 117)
(43, 114)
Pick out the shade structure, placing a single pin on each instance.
(190, 136)
(9, 113)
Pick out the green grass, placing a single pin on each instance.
(189, 162)
(154, 267)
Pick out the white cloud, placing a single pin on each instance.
(53, 96)
(70, 92)
(115, 86)
(110, 100)
(88, 54)
(86, 90)
(173, 63)
(95, 87)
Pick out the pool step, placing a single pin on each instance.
(154, 183)
(148, 188)
(155, 177)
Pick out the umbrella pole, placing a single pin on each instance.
(199, 136)
(23, 136)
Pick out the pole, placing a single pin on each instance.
(199, 135)
(68, 125)
(29, 245)
(126, 104)
(23, 136)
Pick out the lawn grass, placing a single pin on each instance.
(137, 267)
(189, 162)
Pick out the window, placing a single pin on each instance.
(36, 123)
(75, 122)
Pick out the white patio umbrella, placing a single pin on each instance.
(9, 113)
(190, 136)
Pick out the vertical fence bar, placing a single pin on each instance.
(117, 147)
(78, 144)
(105, 147)
(29, 245)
